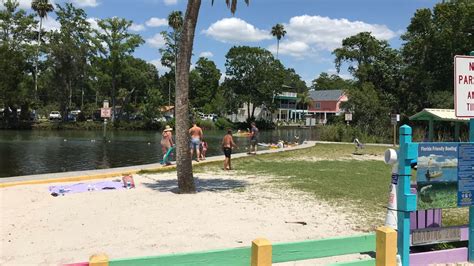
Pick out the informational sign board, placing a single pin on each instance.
(436, 235)
(466, 174)
(348, 116)
(464, 86)
(437, 175)
(310, 121)
(445, 175)
(105, 112)
(105, 104)
(395, 118)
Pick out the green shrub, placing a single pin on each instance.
(224, 123)
(206, 124)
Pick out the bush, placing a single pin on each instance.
(224, 123)
(206, 124)
(347, 133)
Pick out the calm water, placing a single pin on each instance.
(38, 152)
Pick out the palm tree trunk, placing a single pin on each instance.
(37, 59)
(183, 158)
(278, 47)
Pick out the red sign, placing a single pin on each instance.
(464, 86)
(105, 112)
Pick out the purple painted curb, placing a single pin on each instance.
(440, 256)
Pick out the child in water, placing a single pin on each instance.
(203, 149)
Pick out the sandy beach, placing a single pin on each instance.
(230, 210)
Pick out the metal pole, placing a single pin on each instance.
(394, 135)
(105, 129)
(169, 93)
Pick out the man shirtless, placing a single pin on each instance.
(196, 136)
(227, 145)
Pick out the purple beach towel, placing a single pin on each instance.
(85, 187)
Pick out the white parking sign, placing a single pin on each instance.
(464, 86)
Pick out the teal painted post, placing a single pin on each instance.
(471, 209)
(406, 202)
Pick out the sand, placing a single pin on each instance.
(230, 210)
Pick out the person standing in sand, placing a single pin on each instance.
(227, 145)
(166, 143)
(196, 137)
(253, 139)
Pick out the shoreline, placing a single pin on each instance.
(74, 176)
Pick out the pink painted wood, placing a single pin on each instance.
(425, 218)
(77, 264)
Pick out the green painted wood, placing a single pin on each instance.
(368, 262)
(312, 249)
(230, 257)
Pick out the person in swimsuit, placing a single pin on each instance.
(196, 136)
(253, 139)
(227, 145)
(166, 143)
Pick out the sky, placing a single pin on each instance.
(314, 27)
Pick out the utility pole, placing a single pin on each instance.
(169, 93)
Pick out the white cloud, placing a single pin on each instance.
(51, 24)
(236, 30)
(327, 34)
(293, 48)
(156, 41)
(156, 22)
(26, 4)
(161, 69)
(86, 3)
(137, 27)
(94, 24)
(170, 2)
(206, 54)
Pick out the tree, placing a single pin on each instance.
(70, 51)
(16, 54)
(118, 43)
(169, 53)
(42, 8)
(204, 82)
(330, 82)
(304, 99)
(183, 159)
(254, 75)
(432, 40)
(278, 31)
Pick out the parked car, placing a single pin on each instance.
(212, 117)
(55, 115)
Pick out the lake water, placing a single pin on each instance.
(38, 152)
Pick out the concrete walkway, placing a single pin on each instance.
(119, 171)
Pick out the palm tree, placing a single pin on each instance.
(279, 32)
(175, 21)
(184, 167)
(304, 99)
(42, 8)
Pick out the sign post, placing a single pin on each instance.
(464, 107)
(395, 118)
(348, 117)
(105, 113)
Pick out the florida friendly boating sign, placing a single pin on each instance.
(445, 175)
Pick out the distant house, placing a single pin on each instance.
(167, 111)
(286, 106)
(325, 103)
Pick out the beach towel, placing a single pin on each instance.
(167, 155)
(85, 187)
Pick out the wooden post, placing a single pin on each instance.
(100, 259)
(261, 252)
(386, 246)
(431, 130)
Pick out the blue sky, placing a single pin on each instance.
(314, 27)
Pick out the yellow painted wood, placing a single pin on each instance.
(261, 252)
(100, 259)
(386, 246)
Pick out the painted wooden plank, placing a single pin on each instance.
(284, 252)
(367, 262)
(464, 233)
(230, 257)
(413, 222)
(440, 256)
(429, 218)
(77, 264)
(421, 219)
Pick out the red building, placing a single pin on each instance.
(326, 103)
